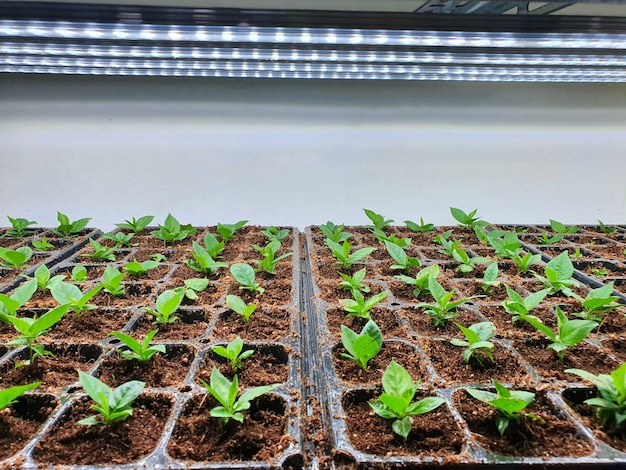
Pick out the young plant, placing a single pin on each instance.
(172, 231)
(403, 262)
(234, 353)
(100, 252)
(597, 302)
(439, 239)
(490, 277)
(19, 227)
(577, 253)
(273, 233)
(419, 228)
(606, 229)
(569, 332)
(203, 262)
(466, 264)
(158, 257)
(524, 263)
(342, 254)
(611, 404)
(120, 239)
(600, 272)
(79, 273)
(448, 246)
(509, 403)
(545, 239)
(364, 346)
(396, 402)
(443, 309)
(359, 307)
(113, 405)
(420, 282)
(378, 220)
(193, 287)
(558, 275)
(225, 392)
(227, 231)
(67, 228)
(136, 225)
(477, 345)
(141, 352)
(467, 220)
(135, 268)
(237, 305)
(521, 307)
(505, 244)
(560, 228)
(354, 282)
(167, 304)
(334, 232)
(213, 246)
(44, 281)
(43, 244)
(382, 237)
(244, 275)
(15, 259)
(112, 281)
(269, 261)
(66, 293)
(32, 328)
(10, 304)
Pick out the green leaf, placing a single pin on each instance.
(10, 394)
(243, 273)
(397, 381)
(425, 405)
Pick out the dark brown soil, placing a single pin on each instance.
(423, 324)
(69, 443)
(271, 324)
(136, 294)
(92, 325)
(387, 320)
(505, 328)
(192, 323)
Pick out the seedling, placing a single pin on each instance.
(524, 263)
(606, 229)
(135, 268)
(203, 262)
(334, 232)
(67, 228)
(600, 272)
(237, 305)
(467, 220)
(521, 307)
(112, 281)
(558, 275)
(100, 252)
(79, 273)
(213, 246)
(31, 329)
(382, 237)
(477, 345)
(234, 353)
(466, 264)
(597, 302)
(421, 279)
(505, 244)
(439, 239)
(443, 309)
(269, 261)
(448, 246)
(15, 259)
(273, 233)
(113, 405)
(364, 346)
(558, 227)
(172, 230)
(120, 239)
(158, 257)
(136, 225)
(545, 239)
(421, 227)
(344, 257)
(611, 404)
(569, 332)
(354, 282)
(396, 400)
(44, 281)
(66, 293)
(378, 220)
(227, 231)
(141, 352)
(43, 244)
(11, 394)
(403, 262)
(225, 392)
(19, 227)
(20, 296)
(244, 275)
(359, 307)
(490, 277)
(509, 403)
(577, 253)
(167, 304)
(193, 287)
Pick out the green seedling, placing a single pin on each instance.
(377, 220)
(44, 281)
(135, 268)
(611, 404)
(509, 403)
(20, 296)
(505, 244)
(136, 225)
(100, 252)
(193, 287)
(467, 220)
(558, 275)
(476, 343)
(43, 244)
(112, 281)
(364, 346)
(79, 273)
(227, 231)
(420, 282)
(237, 305)
(605, 229)
(67, 228)
(403, 262)
(66, 293)
(490, 279)
(225, 392)
(443, 309)
(466, 264)
(141, 352)
(203, 262)
(558, 227)
(334, 232)
(113, 405)
(273, 233)
(244, 275)
(359, 307)
(382, 237)
(167, 304)
(158, 257)
(269, 261)
(9, 395)
(342, 254)
(569, 332)
(597, 302)
(213, 246)
(524, 263)
(354, 282)
(439, 239)
(448, 246)
(172, 231)
(419, 228)
(545, 239)
(32, 328)
(601, 272)
(234, 353)
(520, 307)
(15, 259)
(19, 227)
(396, 401)
(120, 239)
(577, 253)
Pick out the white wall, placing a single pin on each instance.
(303, 152)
